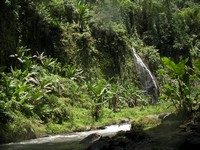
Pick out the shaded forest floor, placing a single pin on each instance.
(176, 132)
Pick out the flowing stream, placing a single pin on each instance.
(148, 83)
(72, 141)
(64, 141)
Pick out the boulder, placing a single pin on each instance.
(91, 138)
(98, 145)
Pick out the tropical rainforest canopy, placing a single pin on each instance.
(61, 57)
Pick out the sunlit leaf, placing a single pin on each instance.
(197, 64)
(180, 68)
(167, 86)
(169, 64)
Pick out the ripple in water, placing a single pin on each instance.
(63, 141)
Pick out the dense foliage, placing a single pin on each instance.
(60, 55)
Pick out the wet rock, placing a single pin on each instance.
(121, 133)
(163, 115)
(136, 135)
(168, 117)
(118, 148)
(91, 138)
(192, 142)
(197, 118)
(175, 132)
(98, 145)
(101, 128)
(151, 120)
(123, 121)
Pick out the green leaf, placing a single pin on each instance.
(169, 64)
(29, 106)
(180, 68)
(2, 68)
(197, 64)
(167, 86)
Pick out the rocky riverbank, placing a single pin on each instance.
(176, 132)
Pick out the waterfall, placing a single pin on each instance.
(148, 83)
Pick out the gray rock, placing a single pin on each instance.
(98, 145)
(163, 115)
(91, 138)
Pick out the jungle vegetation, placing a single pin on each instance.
(63, 60)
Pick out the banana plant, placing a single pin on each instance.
(179, 89)
(24, 60)
(98, 93)
(83, 11)
(74, 73)
(48, 63)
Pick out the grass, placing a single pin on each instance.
(81, 119)
(21, 128)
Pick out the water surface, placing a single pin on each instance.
(63, 141)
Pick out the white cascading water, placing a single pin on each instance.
(64, 141)
(147, 80)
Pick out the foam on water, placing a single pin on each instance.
(64, 138)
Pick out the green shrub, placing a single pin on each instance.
(182, 89)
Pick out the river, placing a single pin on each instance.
(63, 141)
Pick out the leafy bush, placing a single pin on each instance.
(98, 94)
(26, 89)
(182, 89)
